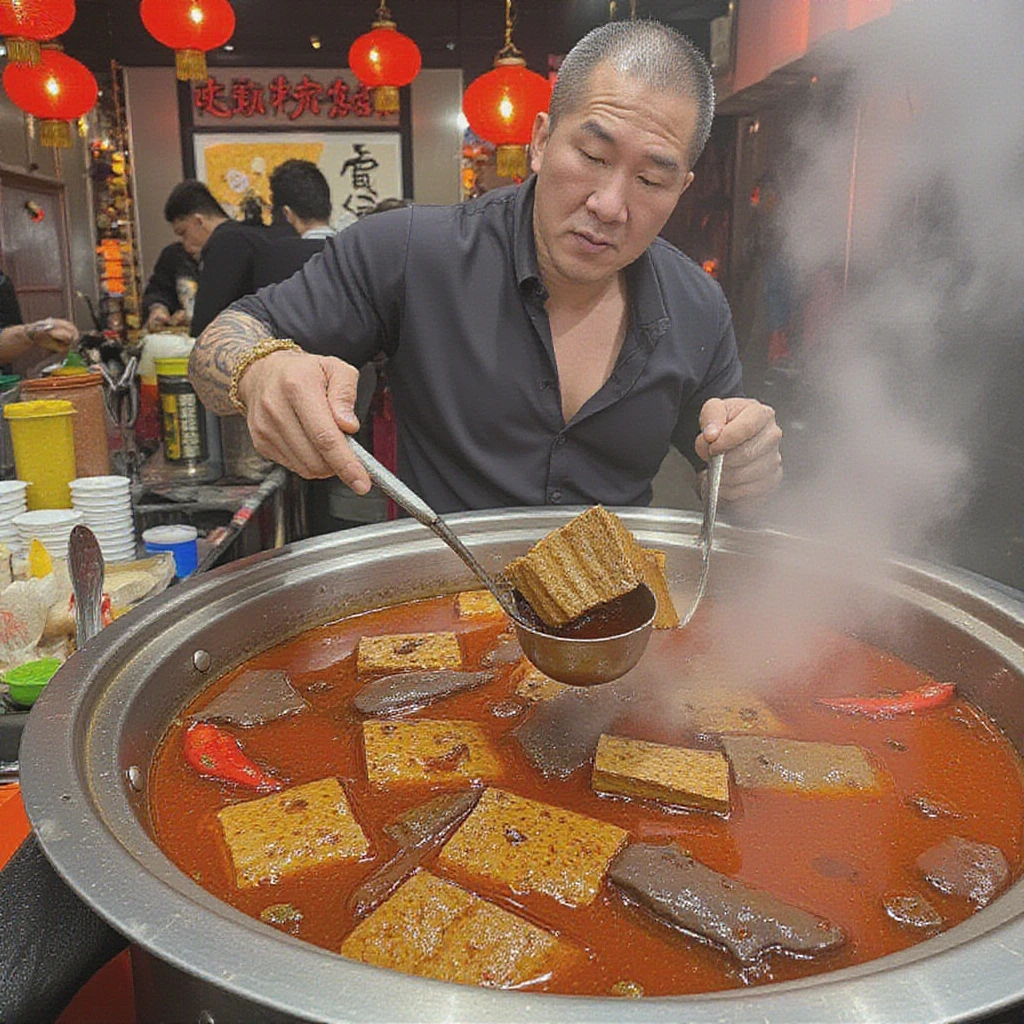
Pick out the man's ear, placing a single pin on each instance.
(539, 139)
(687, 181)
(289, 214)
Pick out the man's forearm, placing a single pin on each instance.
(216, 354)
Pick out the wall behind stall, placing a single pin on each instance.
(155, 133)
(21, 154)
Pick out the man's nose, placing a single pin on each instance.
(608, 202)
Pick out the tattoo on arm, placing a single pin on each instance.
(216, 353)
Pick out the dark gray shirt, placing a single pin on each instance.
(453, 295)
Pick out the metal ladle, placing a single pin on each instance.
(578, 662)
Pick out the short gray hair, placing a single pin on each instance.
(655, 54)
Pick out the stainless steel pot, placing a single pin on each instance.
(89, 743)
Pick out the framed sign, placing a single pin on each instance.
(239, 124)
(362, 168)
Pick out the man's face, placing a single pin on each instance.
(194, 231)
(608, 177)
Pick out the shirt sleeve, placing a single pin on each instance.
(10, 311)
(227, 275)
(346, 301)
(724, 379)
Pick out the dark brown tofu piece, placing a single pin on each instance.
(257, 696)
(976, 871)
(798, 766)
(686, 894)
(407, 691)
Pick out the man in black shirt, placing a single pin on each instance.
(170, 293)
(545, 345)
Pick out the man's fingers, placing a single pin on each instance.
(292, 419)
(713, 417)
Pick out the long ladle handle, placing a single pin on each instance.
(423, 513)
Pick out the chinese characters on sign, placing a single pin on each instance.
(361, 168)
(281, 98)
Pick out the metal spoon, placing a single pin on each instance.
(707, 531)
(578, 662)
(85, 565)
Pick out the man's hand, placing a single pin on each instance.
(159, 316)
(53, 333)
(299, 409)
(744, 431)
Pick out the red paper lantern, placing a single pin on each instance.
(384, 59)
(190, 28)
(26, 23)
(57, 90)
(501, 107)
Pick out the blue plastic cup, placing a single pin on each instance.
(181, 541)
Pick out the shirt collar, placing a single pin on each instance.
(524, 245)
(325, 232)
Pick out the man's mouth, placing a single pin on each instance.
(592, 242)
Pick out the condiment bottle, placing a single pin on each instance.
(84, 391)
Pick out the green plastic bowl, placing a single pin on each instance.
(26, 682)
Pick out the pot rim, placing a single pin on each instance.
(77, 799)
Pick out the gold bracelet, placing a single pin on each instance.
(258, 351)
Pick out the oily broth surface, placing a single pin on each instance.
(834, 856)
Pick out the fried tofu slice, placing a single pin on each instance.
(530, 846)
(590, 560)
(800, 766)
(428, 751)
(400, 652)
(653, 569)
(531, 684)
(697, 779)
(437, 929)
(281, 835)
(723, 709)
(477, 604)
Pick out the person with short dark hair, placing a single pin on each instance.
(170, 293)
(545, 345)
(300, 191)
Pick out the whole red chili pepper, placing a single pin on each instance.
(931, 695)
(216, 754)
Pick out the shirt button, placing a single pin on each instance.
(561, 439)
(555, 497)
(545, 384)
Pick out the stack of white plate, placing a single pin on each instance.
(51, 526)
(12, 503)
(106, 504)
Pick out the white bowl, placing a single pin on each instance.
(42, 518)
(100, 485)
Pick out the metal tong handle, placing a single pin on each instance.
(707, 530)
(423, 513)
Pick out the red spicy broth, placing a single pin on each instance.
(834, 856)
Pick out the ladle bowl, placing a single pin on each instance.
(575, 661)
(589, 661)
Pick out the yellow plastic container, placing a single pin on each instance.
(44, 450)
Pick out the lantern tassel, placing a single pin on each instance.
(190, 65)
(385, 99)
(55, 133)
(512, 161)
(23, 51)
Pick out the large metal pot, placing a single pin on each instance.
(89, 744)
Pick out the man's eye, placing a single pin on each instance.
(590, 156)
(649, 183)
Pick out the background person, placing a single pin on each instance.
(558, 347)
(170, 294)
(51, 334)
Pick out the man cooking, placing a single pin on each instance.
(545, 345)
